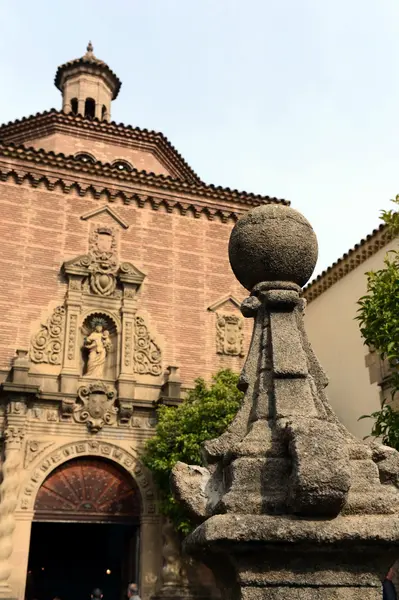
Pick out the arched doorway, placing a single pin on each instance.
(85, 532)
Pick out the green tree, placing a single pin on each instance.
(203, 415)
(378, 316)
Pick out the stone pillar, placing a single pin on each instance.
(98, 110)
(70, 368)
(126, 379)
(149, 555)
(9, 488)
(290, 505)
(81, 106)
(20, 555)
(172, 564)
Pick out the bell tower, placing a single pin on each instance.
(88, 86)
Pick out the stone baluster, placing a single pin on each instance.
(9, 488)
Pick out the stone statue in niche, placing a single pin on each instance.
(98, 345)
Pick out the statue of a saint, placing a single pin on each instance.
(98, 344)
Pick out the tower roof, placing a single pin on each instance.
(91, 64)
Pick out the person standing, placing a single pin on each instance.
(96, 594)
(133, 591)
(388, 588)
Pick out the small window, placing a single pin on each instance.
(90, 108)
(74, 106)
(85, 158)
(122, 165)
(103, 112)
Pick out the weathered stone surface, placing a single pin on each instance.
(190, 483)
(321, 474)
(273, 243)
(296, 506)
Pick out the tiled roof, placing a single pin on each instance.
(357, 255)
(72, 165)
(18, 132)
(94, 64)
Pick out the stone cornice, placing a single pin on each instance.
(45, 123)
(49, 169)
(357, 255)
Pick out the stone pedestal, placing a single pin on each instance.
(291, 505)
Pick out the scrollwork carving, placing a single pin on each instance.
(46, 345)
(147, 354)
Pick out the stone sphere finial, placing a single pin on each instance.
(273, 243)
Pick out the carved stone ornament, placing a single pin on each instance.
(229, 335)
(46, 345)
(13, 436)
(96, 406)
(147, 354)
(35, 448)
(125, 412)
(100, 267)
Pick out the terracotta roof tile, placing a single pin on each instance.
(95, 64)
(349, 261)
(51, 159)
(17, 127)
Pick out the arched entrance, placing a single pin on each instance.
(85, 532)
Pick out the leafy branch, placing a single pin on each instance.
(378, 317)
(205, 414)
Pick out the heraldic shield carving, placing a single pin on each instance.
(96, 405)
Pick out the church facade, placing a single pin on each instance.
(116, 295)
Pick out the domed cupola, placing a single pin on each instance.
(88, 86)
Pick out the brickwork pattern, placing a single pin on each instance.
(103, 151)
(184, 259)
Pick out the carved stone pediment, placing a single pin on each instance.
(224, 302)
(100, 268)
(95, 405)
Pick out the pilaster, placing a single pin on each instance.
(150, 567)
(9, 488)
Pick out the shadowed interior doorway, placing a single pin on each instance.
(85, 532)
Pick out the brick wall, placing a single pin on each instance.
(185, 261)
(103, 151)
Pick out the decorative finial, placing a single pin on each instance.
(89, 47)
(273, 243)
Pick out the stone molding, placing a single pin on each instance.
(74, 449)
(107, 210)
(71, 174)
(225, 300)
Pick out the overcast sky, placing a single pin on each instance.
(297, 99)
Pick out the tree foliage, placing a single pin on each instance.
(205, 414)
(378, 316)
